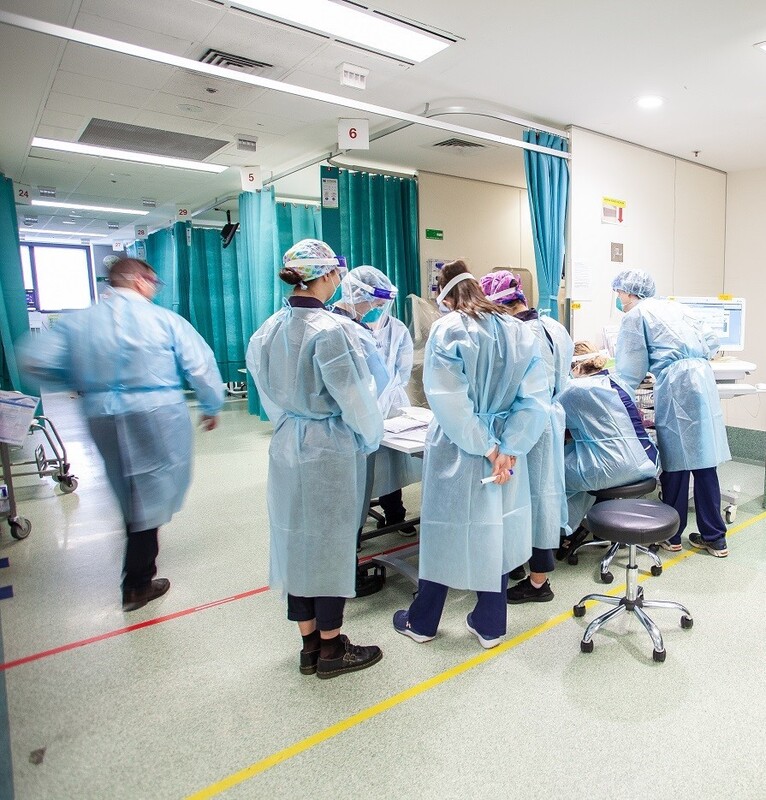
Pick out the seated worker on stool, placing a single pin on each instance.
(545, 460)
(660, 337)
(366, 297)
(610, 445)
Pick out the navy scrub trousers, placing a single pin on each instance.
(707, 501)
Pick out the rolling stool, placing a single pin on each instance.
(630, 491)
(636, 523)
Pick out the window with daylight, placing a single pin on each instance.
(57, 277)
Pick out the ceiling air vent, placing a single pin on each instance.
(107, 133)
(239, 63)
(459, 144)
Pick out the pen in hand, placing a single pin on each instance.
(492, 478)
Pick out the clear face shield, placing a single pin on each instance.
(369, 304)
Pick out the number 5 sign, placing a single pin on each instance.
(353, 134)
(251, 179)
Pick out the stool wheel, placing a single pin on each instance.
(686, 622)
(607, 577)
(573, 559)
(656, 570)
(659, 655)
(579, 611)
(587, 647)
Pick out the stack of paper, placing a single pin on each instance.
(411, 425)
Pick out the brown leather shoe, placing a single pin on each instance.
(138, 598)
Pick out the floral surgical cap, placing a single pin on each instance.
(503, 287)
(635, 281)
(311, 259)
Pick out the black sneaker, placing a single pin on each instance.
(717, 548)
(517, 574)
(398, 519)
(568, 543)
(355, 658)
(524, 592)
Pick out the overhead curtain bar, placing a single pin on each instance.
(149, 54)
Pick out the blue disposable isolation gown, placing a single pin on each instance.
(545, 461)
(659, 336)
(393, 469)
(316, 388)
(128, 359)
(486, 384)
(605, 451)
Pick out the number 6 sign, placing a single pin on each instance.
(353, 134)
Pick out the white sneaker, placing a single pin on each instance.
(487, 644)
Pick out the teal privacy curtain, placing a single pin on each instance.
(376, 223)
(267, 230)
(14, 320)
(548, 190)
(214, 300)
(160, 253)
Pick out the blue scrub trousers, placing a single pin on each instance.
(488, 616)
(707, 501)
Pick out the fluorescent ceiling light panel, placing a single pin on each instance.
(352, 25)
(649, 101)
(124, 155)
(81, 207)
(37, 232)
(760, 45)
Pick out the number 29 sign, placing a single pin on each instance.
(353, 134)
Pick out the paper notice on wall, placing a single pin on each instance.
(612, 211)
(582, 281)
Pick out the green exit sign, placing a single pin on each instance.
(434, 233)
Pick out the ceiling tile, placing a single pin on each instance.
(151, 38)
(86, 107)
(70, 83)
(225, 93)
(84, 60)
(185, 19)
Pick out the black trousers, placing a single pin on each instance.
(542, 560)
(392, 506)
(140, 559)
(328, 611)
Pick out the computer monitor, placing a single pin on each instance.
(726, 316)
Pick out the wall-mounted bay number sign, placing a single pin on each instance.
(23, 194)
(353, 134)
(435, 233)
(183, 213)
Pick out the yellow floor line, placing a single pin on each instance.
(372, 711)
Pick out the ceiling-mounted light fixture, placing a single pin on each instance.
(355, 25)
(125, 155)
(83, 207)
(760, 46)
(649, 101)
(38, 232)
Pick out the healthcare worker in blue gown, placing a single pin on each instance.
(609, 445)
(661, 337)
(367, 296)
(545, 461)
(314, 383)
(128, 359)
(486, 384)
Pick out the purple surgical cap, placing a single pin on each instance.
(500, 282)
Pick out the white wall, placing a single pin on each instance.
(745, 260)
(485, 223)
(674, 226)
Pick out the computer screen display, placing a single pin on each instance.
(725, 316)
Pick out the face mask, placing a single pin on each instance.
(618, 304)
(335, 296)
(373, 315)
(463, 276)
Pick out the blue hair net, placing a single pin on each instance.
(635, 281)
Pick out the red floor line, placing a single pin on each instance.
(157, 620)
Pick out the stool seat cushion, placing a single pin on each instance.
(627, 492)
(633, 521)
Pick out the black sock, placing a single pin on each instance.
(332, 648)
(311, 642)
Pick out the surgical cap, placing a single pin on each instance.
(635, 281)
(366, 284)
(311, 259)
(500, 282)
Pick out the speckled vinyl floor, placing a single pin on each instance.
(198, 693)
